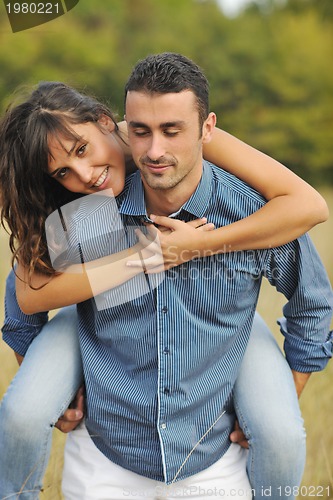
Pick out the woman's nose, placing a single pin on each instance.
(84, 172)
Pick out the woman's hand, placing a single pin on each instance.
(171, 242)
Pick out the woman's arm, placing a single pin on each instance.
(78, 283)
(81, 282)
(293, 206)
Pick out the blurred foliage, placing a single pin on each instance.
(269, 68)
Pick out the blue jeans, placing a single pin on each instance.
(267, 408)
(264, 397)
(42, 389)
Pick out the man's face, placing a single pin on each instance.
(165, 138)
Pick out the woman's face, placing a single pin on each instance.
(93, 163)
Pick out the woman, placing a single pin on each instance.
(57, 146)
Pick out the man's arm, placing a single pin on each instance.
(300, 380)
(19, 358)
(19, 330)
(297, 271)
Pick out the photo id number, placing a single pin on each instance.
(33, 8)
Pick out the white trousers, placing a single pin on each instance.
(89, 475)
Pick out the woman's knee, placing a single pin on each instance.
(25, 414)
(284, 438)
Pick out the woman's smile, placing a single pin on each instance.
(102, 178)
(92, 161)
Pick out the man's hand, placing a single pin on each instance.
(73, 415)
(237, 436)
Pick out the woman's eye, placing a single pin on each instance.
(62, 172)
(81, 150)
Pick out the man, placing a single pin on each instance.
(160, 367)
(174, 353)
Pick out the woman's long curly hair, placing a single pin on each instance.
(28, 195)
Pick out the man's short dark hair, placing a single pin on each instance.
(169, 72)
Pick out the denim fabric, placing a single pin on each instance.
(42, 389)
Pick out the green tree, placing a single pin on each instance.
(269, 68)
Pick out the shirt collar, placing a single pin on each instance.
(134, 200)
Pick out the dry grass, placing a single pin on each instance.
(316, 402)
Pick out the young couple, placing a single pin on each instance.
(167, 371)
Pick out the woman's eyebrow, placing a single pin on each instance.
(69, 153)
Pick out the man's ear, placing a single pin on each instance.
(208, 127)
(107, 123)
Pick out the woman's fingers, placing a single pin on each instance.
(166, 223)
(151, 257)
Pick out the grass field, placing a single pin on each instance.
(316, 401)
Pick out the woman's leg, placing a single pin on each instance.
(268, 412)
(42, 389)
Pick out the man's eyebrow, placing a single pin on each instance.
(176, 123)
(137, 125)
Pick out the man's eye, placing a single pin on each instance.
(140, 132)
(171, 133)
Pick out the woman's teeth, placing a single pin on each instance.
(102, 178)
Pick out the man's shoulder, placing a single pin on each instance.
(226, 183)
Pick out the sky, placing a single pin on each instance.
(232, 7)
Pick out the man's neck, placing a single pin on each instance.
(159, 203)
(168, 201)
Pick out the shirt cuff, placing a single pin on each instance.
(19, 335)
(304, 355)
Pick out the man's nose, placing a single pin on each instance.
(156, 148)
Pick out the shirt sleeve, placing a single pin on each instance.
(296, 270)
(19, 329)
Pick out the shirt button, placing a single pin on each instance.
(166, 350)
(163, 426)
(164, 309)
(166, 390)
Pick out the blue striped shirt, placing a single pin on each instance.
(19, 329)
(160, 365)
